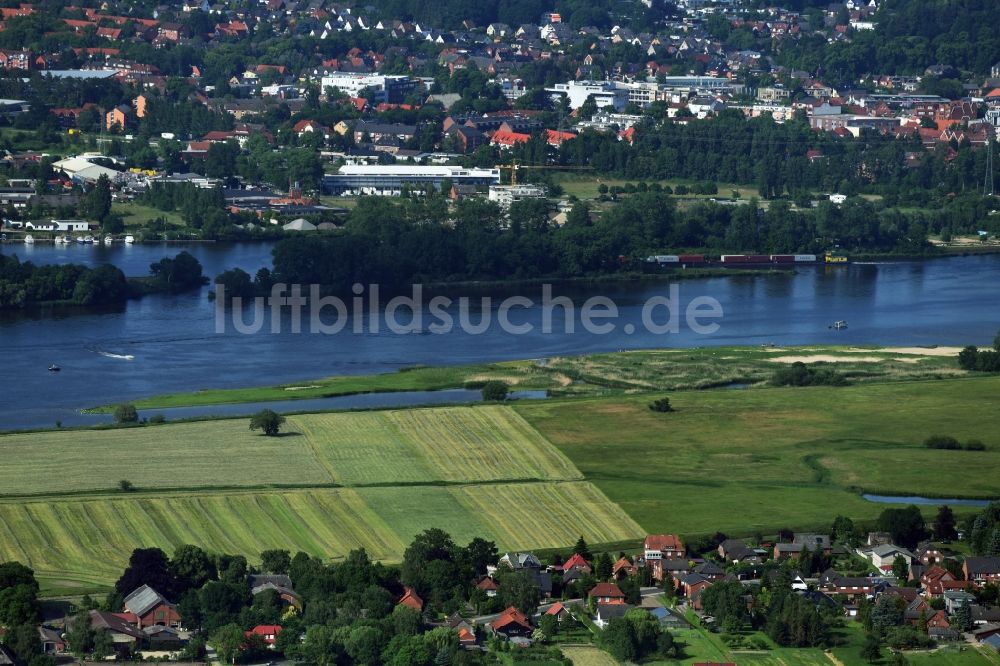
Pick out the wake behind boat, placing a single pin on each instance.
(124, 357)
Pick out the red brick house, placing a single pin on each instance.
(939, 620)
(267, 632)
(512, 622)
(411, 600)
(660, 547)
(576, 562)
(623, 568)
(489, 586)
(851, 587)
(607, 593)
(981, 570)
(151, 609)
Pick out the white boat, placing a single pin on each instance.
(129, 239)
(108, 240)
(86, 239)
(839, 324)
(29, 240)
(61, 240)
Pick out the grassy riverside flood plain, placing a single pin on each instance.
(645, 370)
(764, 459)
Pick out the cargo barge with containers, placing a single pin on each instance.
(665, 261)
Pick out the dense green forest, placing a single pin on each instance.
(396, 244)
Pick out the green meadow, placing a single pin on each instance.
(762, 459)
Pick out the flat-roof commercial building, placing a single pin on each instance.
(392, 179)
(386, 88)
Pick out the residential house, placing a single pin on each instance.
(660, 547)
(606, 593)
(279, 583)
(939, 620)
(51, 640)
(710, 570)
(505, 139)
(983, 615)
(124, 635)
(267, 632)
(982, 570)
(379, 132)
(558, 611)
(518, 561)
(310, 126)
(7, 657)
(160, 638)
(467, 139)
(813, 542)
(607, 612)
(955, 599)
(512, 623)
(150, 608)
(693, 585)
(411, 599)
(930, 553)
(624, 568)
(577, 562)
(882, 557)
(854, 587)
(735, 550)
(916, 609)
(489, 586)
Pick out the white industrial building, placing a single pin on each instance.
(617, 94)
(393, 89)
(505, 195)
(390, 180)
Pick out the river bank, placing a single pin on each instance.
(598, 374)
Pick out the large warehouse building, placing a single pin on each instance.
(390, 180)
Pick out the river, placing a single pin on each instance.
(173, 339)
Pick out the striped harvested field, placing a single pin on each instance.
(93, 538)
(88, 541)
(453, 444)
(181, 455)
(547, 515)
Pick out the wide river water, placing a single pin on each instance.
(175, 345)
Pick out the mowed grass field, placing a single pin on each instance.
(763, 459)
(454, 444)
(330, 484)
(182, 455)
(86, 542)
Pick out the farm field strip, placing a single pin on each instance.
(360, 448)
(88, 541)
(450, 444)
(190, 455)
(547, 515)
(482, 444)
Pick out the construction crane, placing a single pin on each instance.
(514, 167)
